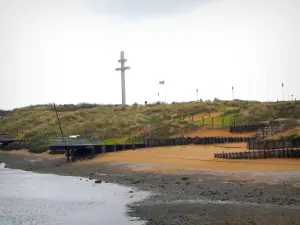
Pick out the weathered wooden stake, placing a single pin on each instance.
(73, 155)
(68, 154)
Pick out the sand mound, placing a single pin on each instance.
(293, 131)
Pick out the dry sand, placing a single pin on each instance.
(181, 159)
(193, 157)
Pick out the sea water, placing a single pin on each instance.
(30, 198)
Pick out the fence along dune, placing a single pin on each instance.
(217, 132)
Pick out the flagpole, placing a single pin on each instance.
(249, 89)
(165, 93)
(268, 89)
(163, 83)
(282, 91)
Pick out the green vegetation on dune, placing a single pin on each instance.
(263, 112)
(120, 124)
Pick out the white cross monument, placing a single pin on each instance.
(123, 68)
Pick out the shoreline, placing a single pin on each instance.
(187, 197)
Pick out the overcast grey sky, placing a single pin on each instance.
(66, 51)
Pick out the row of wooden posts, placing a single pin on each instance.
(260, 154)
(273, 144)
(195, 140)
(204, 121)
(245, 128)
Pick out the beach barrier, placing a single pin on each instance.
(260, 154)
(246, 128)
(195, 140)
(273, 144)
(262, 149)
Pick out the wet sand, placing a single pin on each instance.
(26, 153)
(188, 185)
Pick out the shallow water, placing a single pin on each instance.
(31, 198)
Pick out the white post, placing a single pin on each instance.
(282, 91)
(163, 83)
(165, 95)
(249, 89)
(122, 69)
(268, 87)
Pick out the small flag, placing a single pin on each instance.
(282, 84)
(197, 90)
(161, 82)
(232, 87)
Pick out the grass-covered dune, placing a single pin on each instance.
(120, 124)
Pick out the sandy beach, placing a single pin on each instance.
(188, 185)
(193, 157)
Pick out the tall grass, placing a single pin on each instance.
(120, 124)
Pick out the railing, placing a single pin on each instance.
(67, 141)
(6, 137)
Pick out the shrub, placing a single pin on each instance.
(16, 146)
(291, 136)
(39, 147)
